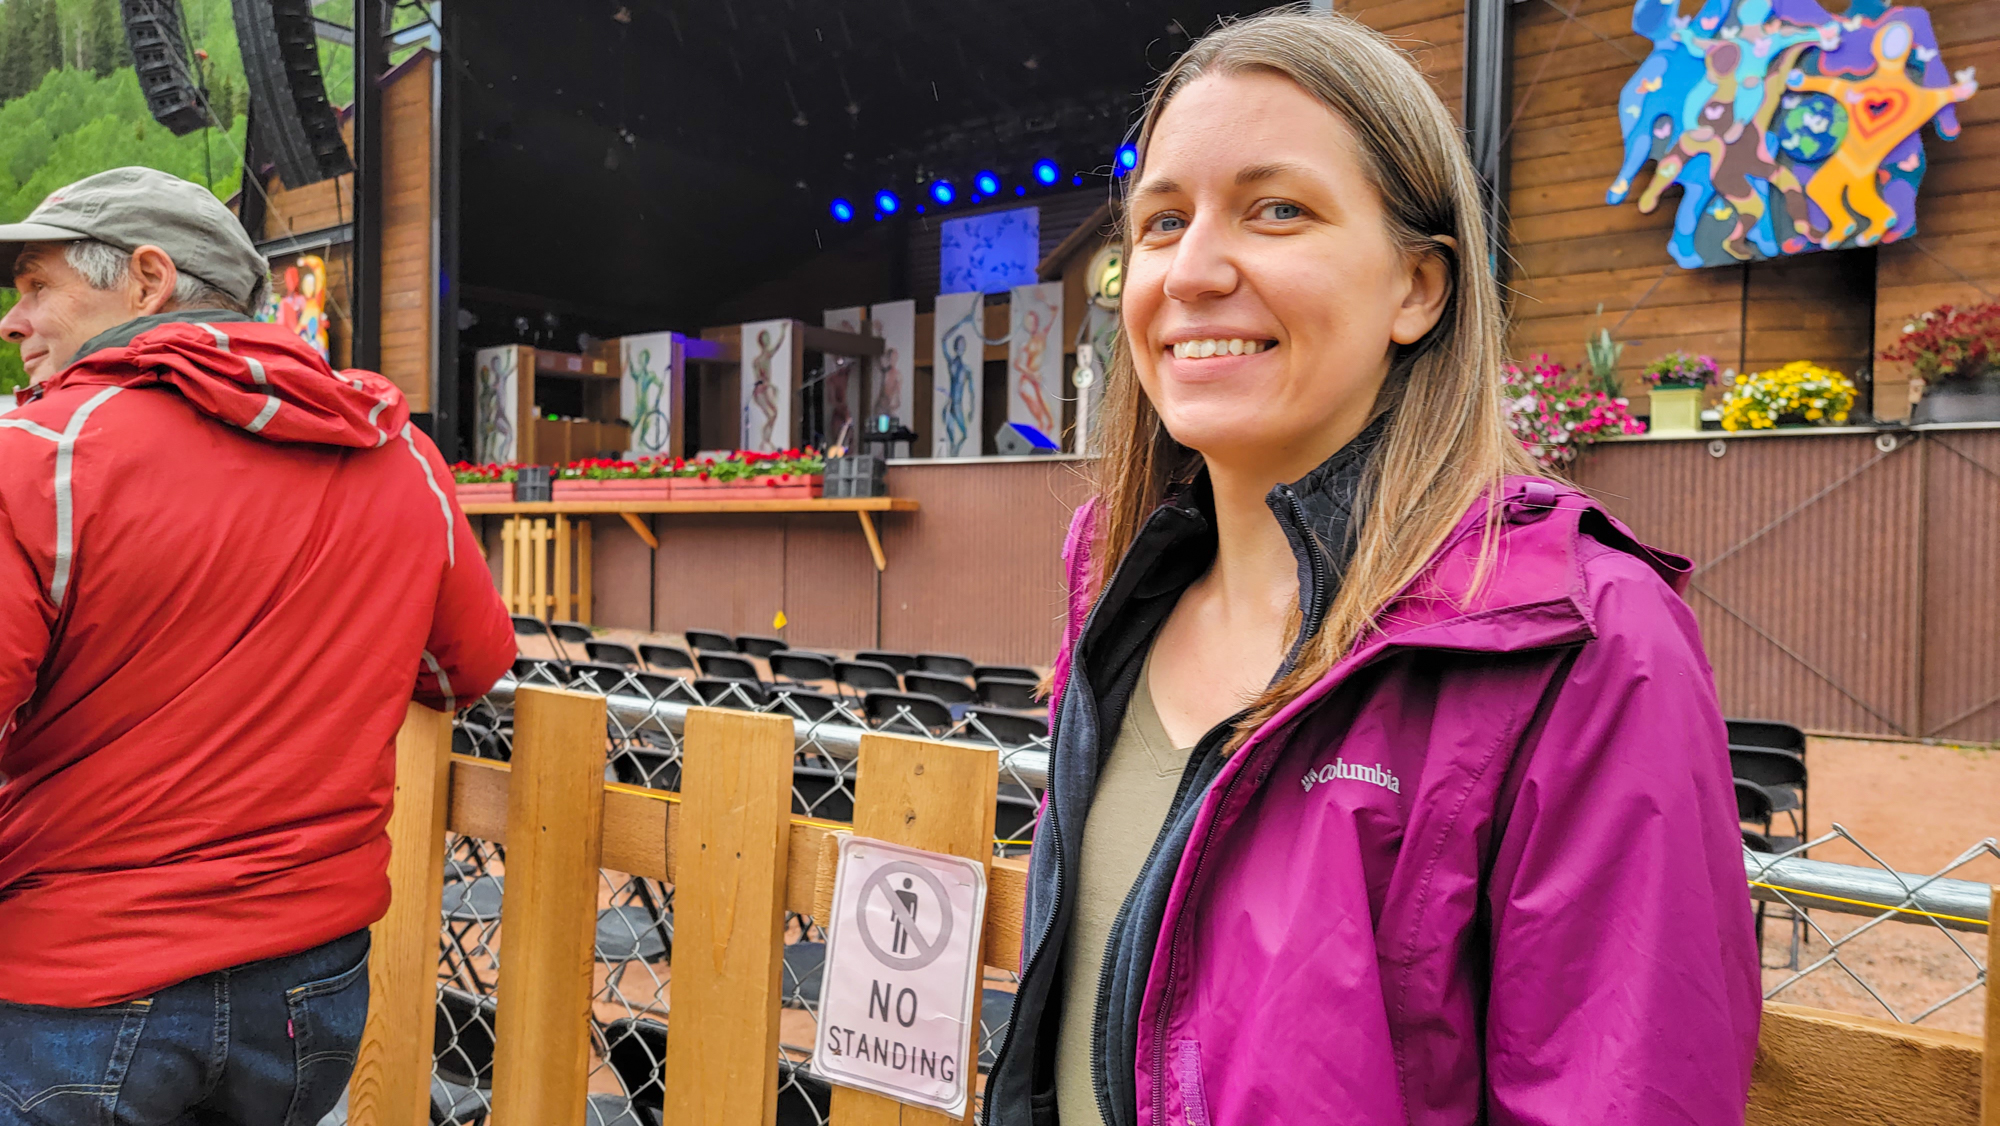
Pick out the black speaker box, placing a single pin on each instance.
(159, 52)
(297, 130)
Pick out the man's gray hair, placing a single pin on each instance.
(104, 266)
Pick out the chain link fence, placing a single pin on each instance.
(1821, 925)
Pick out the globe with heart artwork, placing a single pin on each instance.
(1786, 128)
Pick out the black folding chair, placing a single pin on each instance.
(949, 664)
(806, 704)
(462, 1057)
(1014, 810)
(612, 653)
(727, 666)
(907, 713)
(596, 676)
(789, 666)
(758, 646)
(1767, 733)
(708, 639)
(1010, 672)
(666, 657)
(527, 625)
(823, 791)
(1009, 729)
(1782, 774)
(901, 662)
(567, 634)
(722, 692)
(866, 676)
(637, 1048)
(956, 694)
(1007, 692)
(541, 671)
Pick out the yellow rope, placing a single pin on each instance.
(1876, 906)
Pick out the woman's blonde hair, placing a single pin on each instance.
(1447, 440)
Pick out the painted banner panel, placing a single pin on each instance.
(496, 423)
(893, 393)
(957, 361)
(651, 368)
(1035, 358)
(767, 386)
(843, 381)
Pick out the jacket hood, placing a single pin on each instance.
(257, 377)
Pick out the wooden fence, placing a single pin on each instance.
(739, 861)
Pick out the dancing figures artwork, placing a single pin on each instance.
(1035, 358)
(896, 323)
(651, 367)
(842, 381)
(1788, 129)
(297, 300)
(958, 356)
(496, 420)
(768, 357)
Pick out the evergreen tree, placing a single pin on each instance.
(105, 33)
(48, 45)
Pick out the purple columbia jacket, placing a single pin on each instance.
(1487, 870)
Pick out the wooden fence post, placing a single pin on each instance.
(938, 798)
(391, 1085)
(1989, 1087)
(555, 823)
(734, 829)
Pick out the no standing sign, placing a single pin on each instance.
(902, 974)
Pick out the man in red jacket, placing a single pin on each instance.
(224, 570)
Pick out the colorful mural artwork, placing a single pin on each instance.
(958, 351)
(896, 324)
(497, 418)
(1035, 357)
(298, 301)
(1788, 129)
(766, 373)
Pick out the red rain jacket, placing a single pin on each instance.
(224, 570)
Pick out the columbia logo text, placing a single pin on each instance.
(1340, 768)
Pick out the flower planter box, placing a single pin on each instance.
(617, 488)
(1676, 410)
(485, 492)
(1960, 400)
(784, 486)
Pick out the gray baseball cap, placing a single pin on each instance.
(133, 207)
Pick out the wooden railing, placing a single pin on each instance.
(738, 861)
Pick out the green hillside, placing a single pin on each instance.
(70, 106)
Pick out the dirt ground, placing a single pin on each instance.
(1918, 808)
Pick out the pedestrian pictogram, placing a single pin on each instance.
(902, 973)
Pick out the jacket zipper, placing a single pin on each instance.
(1315, 609)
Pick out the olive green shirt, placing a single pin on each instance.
(1135, 791)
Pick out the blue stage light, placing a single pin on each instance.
(987, 183)
(1077, 180)
(1128, 156)
(943, 192)
(843, 211)
(1020, 190)
(1047, 172)
(886, 202)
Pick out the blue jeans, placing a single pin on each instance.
(262, 1044)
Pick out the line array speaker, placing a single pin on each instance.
(297, 129)
(159, 51)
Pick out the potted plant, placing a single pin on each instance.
(1557, 416)
(614, 479)
(1955, 356)
(1677, 380)
(1800, 393)
(746, 475)
(483, 484)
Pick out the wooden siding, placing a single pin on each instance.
(1432, 31)
(1572, 252)
(408, 288)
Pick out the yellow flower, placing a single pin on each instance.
(1815, 414)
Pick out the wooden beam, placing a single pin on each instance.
(391, 1085)
(555, 821)
(639, 527)
(874, 541)
(729, 924)
(938, 798)
(1092, 230)
(1818, 1068)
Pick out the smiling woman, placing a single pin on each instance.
(1353, 714)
